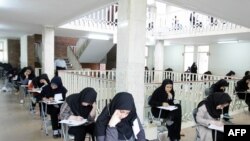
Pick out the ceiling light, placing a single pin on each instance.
(227, 42)
(98, 37)
(150, 2)
(166, 43)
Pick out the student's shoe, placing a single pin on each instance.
(169, 122)
(55, 136)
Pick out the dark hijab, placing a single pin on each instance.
(213, 100)
(121, 101)
(74, 101)
(49, 92)
(221, 83)
(36, 81)
(31, 75)
(160, 95)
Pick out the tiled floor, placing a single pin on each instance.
(17, 124)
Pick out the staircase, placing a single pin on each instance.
(69, 65)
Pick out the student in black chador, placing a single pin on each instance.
(219, 86)
(48, 93)
(78, 107)
(118, 121)
(242, 87)
(164, 96)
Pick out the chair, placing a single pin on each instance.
(157, 121)
(68, 137)
(160, 122)
(238, 102)
(194, 113)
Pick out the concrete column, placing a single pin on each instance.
(159, 61)
(48, 47)
(24, 51)
(131, 34)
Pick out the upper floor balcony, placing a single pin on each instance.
(178, 23)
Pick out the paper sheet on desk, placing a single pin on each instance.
(73, 122)
(136, 128)
(58, 97)
(215, 127)
(169, 108)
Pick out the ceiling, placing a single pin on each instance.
(22, 17)
(27, 17)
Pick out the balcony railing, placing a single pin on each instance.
(160, 26)
(189, 92)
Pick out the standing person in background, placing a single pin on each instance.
(60, 64)
(118, 121)
(193, 70)
(48, 93)
(78, 107)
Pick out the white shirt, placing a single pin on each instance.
(60, 63)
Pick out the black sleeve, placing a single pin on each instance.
(155, 99)
(64, 93)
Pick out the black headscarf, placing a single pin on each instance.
(160, 95)
(36, 81)
(74, 101)
(213, 100)
(221, 83)
(31, 75)
(121, 101)
(49, 92)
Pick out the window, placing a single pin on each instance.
(202, 59)
(188, 57)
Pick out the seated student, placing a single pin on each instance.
(164, 96)
(243, 86)
(206, 76)
(209, 111)
(48, 93)
(117, 119)
(39, 82)
(230, 75)
(26, 75)
(219, 86)
(78, 107)
(247, 73)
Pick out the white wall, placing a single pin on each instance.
(173, 57)
(226, 57)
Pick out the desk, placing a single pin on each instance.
(65, 124)
(44, 113)
(240, 96)
(168, 108)
(31, 100)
